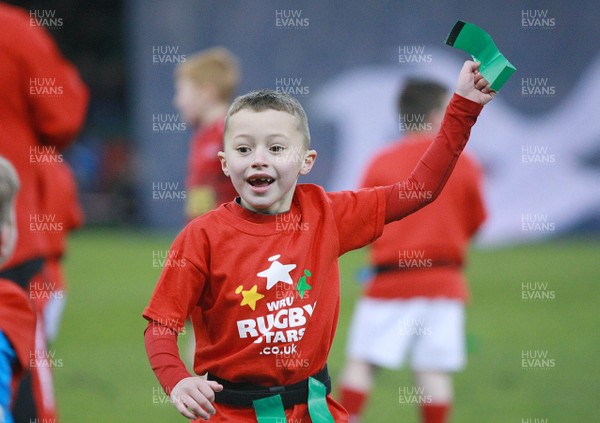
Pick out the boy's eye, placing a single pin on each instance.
(277, 148)
(243, 149)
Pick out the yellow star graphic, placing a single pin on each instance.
(250, 296)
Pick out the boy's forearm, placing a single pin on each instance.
(435, 166)
(163, 354)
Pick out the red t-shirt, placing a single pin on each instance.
(204, 166)
(255, 326)
(428, 246)
(254, 320)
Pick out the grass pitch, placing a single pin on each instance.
(537, 303)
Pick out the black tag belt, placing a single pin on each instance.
(243, 394)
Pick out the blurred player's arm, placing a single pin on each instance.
(435, 166)
(58, 118)
(477, 208)
(74, 214)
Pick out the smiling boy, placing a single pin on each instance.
(269, 295)
(266, 150)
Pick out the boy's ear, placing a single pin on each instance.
(309, 161)
(224, 166)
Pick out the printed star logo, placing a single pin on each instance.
(277, 272)
(250, 297)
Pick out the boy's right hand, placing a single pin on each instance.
(193, 397)
(472, 85)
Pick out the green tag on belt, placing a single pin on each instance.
(317, 402)
(479, 44)
(270, 409)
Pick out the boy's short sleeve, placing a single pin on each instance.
(182, 279)
(359, 216)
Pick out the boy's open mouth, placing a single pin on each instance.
(260, 181)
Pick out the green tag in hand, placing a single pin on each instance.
(479, 44)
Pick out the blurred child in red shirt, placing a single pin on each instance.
(414, 304)
(43, 108)
(204, 86)
(60, 202)
(62, 214)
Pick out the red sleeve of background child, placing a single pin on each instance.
(17, 320)
(58, 118)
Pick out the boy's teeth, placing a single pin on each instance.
(265, 180)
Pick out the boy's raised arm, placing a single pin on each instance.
(435, 166)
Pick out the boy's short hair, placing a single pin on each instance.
(215, 66)
(261, 100)
(419, 97)
(9, 186)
